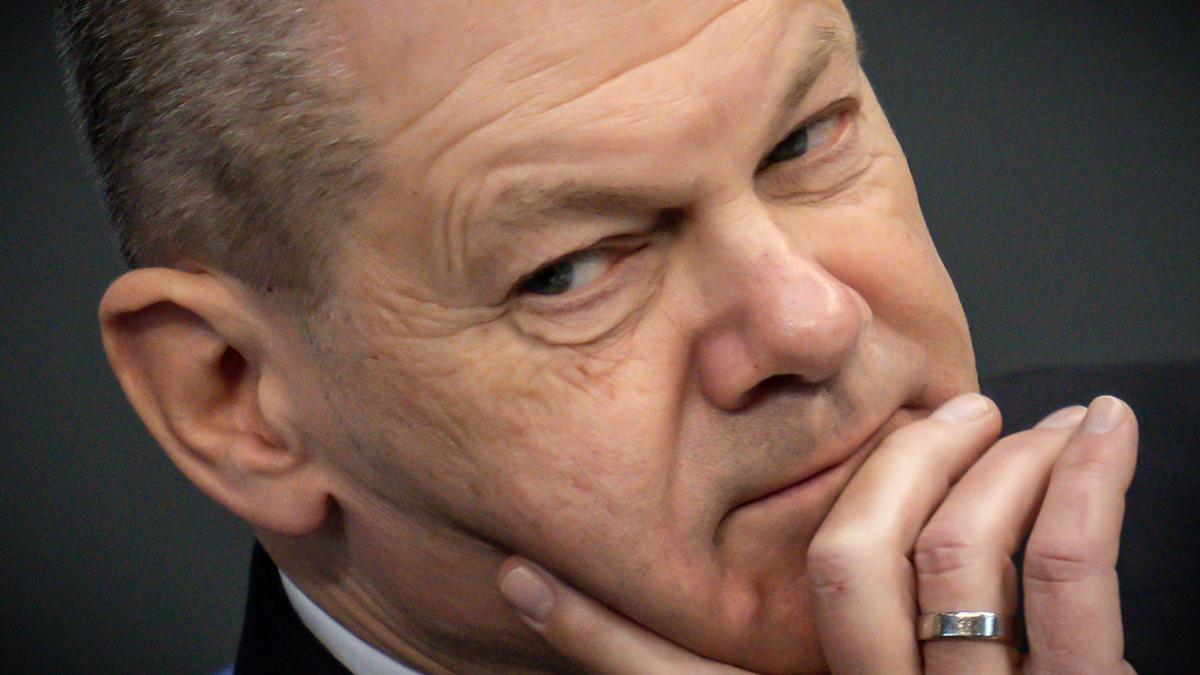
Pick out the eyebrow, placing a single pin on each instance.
(832, 41)
(535, 199)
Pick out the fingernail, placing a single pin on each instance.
(1103, 414)
(1067, 417)
(529, 593)
(962, 408)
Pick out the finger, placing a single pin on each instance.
(963, 557)
(1072, 608)
(590, 634)
(857, 566)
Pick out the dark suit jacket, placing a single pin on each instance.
(1159, 563)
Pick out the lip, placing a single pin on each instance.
(812, 481)
(830, 471)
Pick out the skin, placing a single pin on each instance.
(918, 537)
(738, 329)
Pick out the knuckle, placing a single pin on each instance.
(1057, 562)
(944, 548)
(835, 561)
(1085, 500)
(1095, 463)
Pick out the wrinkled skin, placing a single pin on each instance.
(745, 324)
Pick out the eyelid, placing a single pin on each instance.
(840, 108)
(791, 172)
(612, 243)
(617, 249)
(522, 285)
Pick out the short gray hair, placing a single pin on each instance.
(222, 132)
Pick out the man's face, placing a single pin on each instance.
(636, 269)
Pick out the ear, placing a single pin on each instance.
(202, 364)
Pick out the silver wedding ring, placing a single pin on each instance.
(967, 626)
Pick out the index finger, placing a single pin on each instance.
(862, 583)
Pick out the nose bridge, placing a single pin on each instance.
(774, 309)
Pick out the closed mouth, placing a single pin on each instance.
(811, 477)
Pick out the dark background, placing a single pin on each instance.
(1055, 145)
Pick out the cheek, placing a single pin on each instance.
(569, 432)
(513, 439)
(874, 239)
(878, 244)
(889, 253)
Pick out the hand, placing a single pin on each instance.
(929, 523)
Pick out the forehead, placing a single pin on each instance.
(439, 70)
(461, 91)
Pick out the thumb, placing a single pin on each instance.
(590, 634)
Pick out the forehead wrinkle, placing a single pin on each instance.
(613, 77)
(536, 199)
(533, 199)
(533, 203)
(542, 103)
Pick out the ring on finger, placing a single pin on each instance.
(987, 626)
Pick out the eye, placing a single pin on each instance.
(568, 274)
(807, 138)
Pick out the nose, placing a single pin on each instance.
(772, 311)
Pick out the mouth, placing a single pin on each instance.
(828, 478)
(808, 483)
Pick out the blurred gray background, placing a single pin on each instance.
(1056, 146)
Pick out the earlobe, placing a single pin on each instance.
(195, 360)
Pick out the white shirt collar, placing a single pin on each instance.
(359, 657)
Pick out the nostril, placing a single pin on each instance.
(776, 385)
